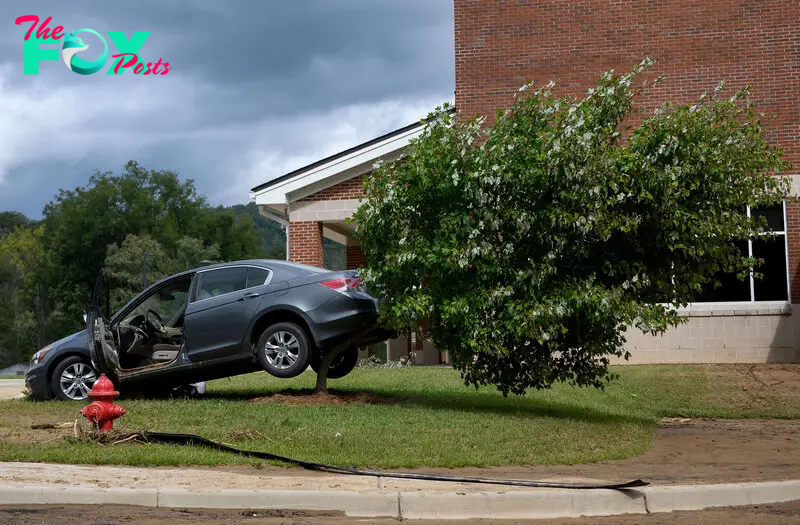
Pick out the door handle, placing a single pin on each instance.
(249, 296)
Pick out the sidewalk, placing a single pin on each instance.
(11, 388)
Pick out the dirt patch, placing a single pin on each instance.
(686, 450)
(763, 383)
(47, 428)
(333, 397)
(118, 514)
(36, 429)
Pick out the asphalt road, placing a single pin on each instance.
(773, 514)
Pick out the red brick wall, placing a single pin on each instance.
(305, 243)
(355, 258)
(349, 189)
(500, 45)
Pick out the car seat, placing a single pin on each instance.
(163, 353)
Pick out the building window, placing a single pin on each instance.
(773, 250)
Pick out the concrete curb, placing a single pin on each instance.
(535, 503)
(361, 504)
(695, 497)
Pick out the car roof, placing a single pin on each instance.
(267, 263)
(264, 263)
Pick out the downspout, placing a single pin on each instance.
(286, 230)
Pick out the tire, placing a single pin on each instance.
(66, 389)
(288, 352)
(342, 365)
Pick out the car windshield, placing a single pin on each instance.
(168, 302)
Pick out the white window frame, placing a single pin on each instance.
(786, 253)
(732, 305)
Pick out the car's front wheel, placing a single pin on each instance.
(73, 378)
(283, 350)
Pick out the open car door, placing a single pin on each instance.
(102, 345)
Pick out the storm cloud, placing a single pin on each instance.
(257, 88)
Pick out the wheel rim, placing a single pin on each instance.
(282, 350)
(76, 381)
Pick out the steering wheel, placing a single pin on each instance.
(154, 320)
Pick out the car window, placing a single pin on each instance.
(168, 302)
(256, 276)
(218, 282)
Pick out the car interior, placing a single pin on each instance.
(152, 333)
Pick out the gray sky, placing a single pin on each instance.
(257, 88)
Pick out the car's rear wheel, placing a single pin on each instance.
(283, 350)
(73, 378)
(342, 364)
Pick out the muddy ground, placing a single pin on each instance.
(307, 397)
(693, 450)
(774, 514)
(684, 450)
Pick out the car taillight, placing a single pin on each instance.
(348, 284)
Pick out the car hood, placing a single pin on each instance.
(79, 337)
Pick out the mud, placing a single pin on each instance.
(774, 514)
(333, 397)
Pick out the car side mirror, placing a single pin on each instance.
(84, 318)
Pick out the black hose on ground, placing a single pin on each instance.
(190, 439)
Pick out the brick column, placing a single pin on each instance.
(305, 243)
(355, 258)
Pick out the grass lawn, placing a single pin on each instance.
(436, 421)
(12, 377)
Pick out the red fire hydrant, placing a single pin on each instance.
(102, 410)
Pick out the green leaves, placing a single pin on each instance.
(530, 245)
(47, 271)
(125, 262)
(153, 206)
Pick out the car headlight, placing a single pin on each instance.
(38, 356)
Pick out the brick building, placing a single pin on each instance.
(314, 202)
(499, 45)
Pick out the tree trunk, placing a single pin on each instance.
(322, 374)
(327, 359)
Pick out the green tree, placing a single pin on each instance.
(24, 305)
(270, 233)
(531, 245)
(125, 263)
(81, 224)
(10, 220)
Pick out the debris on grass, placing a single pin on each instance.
(373, 362)
(51, 426)
(307, 397)
(84, 431)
